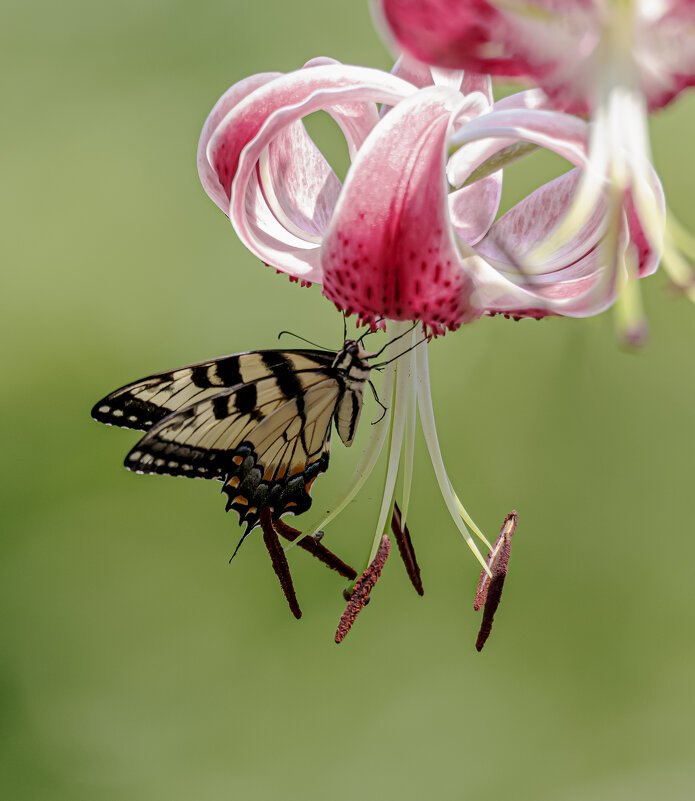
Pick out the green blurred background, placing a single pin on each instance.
(136, 663)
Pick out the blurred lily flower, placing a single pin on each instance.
(411, 234)
(614, 60)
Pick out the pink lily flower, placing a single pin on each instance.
(411, 235)
(615, 60)
(407, 237)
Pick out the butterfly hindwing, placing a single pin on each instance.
(144, 403)
(276, 464)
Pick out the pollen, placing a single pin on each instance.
(359, 597)
(489, 592)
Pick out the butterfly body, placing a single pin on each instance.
(260, 422)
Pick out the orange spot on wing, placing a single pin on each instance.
(237, 459)
(233, 482)
(241, 500)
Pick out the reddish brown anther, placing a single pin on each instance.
(405, 548)
(279, 560)
(489, 591)
(363, 586)
(314, 547)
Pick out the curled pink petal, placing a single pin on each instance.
(301, 186)
(524, 227)
(233, 95)
(648, 257)
(390, 249)
(281, 191)
(563, 134)
(565, 282)
(473, 208)
(257, 119)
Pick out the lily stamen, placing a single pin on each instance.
(314, 547)
(363, 587)
(405, 548)
(489, 593)
(279, 560)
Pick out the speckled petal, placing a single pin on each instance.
(570, 282)
(390, 249)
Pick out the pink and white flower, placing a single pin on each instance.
(615, 60)
(411, 235)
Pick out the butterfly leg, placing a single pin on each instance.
(376, 398)
(279, 560)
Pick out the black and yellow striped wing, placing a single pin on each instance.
(266, 437)
(144, 403)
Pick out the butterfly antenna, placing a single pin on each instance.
(412, 347)
(308, 341)
(395, 339)
(344, 327)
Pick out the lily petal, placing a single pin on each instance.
(568, 281)
(390, 249)
(237, 149)
(234, 95)
(453, 34)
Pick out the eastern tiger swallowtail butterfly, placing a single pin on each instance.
(260, 422)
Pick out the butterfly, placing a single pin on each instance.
(260, 422)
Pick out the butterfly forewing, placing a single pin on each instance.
(144, 403)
